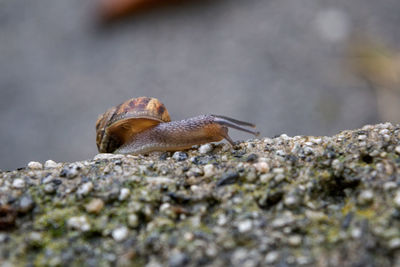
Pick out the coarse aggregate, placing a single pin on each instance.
(282, 201)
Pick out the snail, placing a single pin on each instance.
(143, 125)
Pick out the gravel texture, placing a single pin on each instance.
(282, 65)
(284, 201)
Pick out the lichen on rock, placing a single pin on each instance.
(299, 200)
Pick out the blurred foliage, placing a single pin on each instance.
(379, 65)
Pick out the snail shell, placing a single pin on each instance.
(119, 124)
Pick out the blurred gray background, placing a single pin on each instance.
(282, 64)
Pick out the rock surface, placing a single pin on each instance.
(287, 201)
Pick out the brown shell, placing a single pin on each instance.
(118, 124)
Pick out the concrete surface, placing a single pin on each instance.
(279, 64)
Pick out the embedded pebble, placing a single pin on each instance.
(123, 194)
(245, 226)
(294, 240)
(108, 156)
(366, 196)
(251, 176)
(206, 148)
(179, 156)
(397, 199)
(120, 234)
(50, 164)
(177, 259)
(227, 178)
(95, 206)
(252, 158)
(79, 223)
(389, 186)
(279, 178)
(278, 170)
(47, 179)
(308, 150)
(208, 170)
(18, 183)
(26, 204)
(262, 167)
(85, 189)
(34, 165)
(133, 220)
(70, 171)
(397, 149)
(356, 233)
(337, 165)
(280, 153)
(394, 243)
(49, 188)
(291, 201)
(362, 137)
(271, 257)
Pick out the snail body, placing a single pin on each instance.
(143, 125)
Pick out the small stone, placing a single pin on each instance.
(222, 219)
(188, 236)
(389, 186)
(47, 179)
(262, 167)
(251, 176)
(178, 259)
(294, 240)
(265, 178)
(245, 226)
(79, 223)
(34, 237)
(49, 188)
(206, 148)
(285, 137)
(397, 199)
(366, 197)
(34, 165)
(133, 220)
(394, 243)
(120, 234)
(397, 149)
(123, 194)
(50, 164)
(308, 150)
(71, 171)
(18, 183)
(180, 156)
(291, 201)
(85, 189)
(280, 153)
(362, 137)
(108, 156)
(209, 170)
(384, 131)
(95, 206)
(271, 257)
(337, 165)
(165, 207)
(317, 141)
(159, 180)
(356, 233)
(278, 170)
(26, 204)
(227, 178)
(252, 158)
(279, 178)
